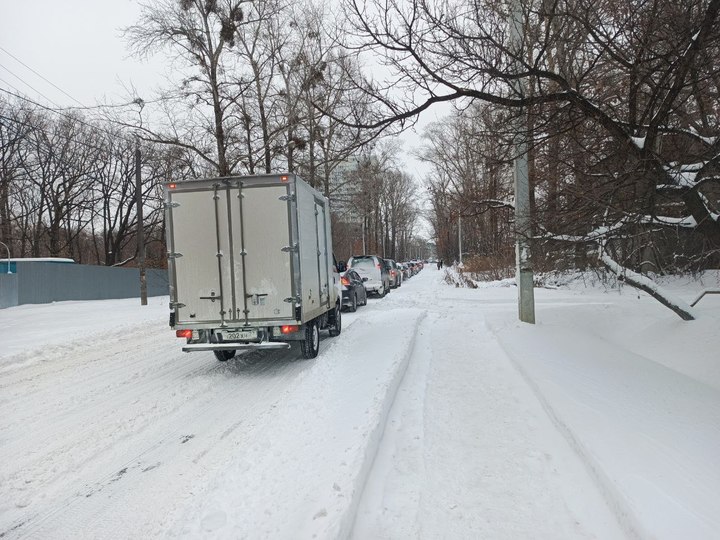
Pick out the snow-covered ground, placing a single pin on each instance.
(435, 414)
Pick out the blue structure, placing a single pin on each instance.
(41, 281)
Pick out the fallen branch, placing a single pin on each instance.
(646, 284)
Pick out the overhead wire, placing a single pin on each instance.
(64, 137)
(11, 55)
(60, 112)
(25, 83)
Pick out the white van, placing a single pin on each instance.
(373, 272)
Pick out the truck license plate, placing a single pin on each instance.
(239, 335)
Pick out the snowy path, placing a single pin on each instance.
(434, 415)
(468, 451)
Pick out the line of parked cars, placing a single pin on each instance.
(363, 275)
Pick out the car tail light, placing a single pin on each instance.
(289, 328)
(345, 281)
(186, 333)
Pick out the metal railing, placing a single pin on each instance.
(707, 291)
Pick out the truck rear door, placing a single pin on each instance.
(232, 255)
(267, 245)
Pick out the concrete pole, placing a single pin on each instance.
(460, 237)
(140, 230)
(8, 257)
(363, 236)
(523, 262)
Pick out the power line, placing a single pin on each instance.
(64, 137)
(39, 75)
(61, 113)
(26, 84)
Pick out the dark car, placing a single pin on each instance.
(353, 290)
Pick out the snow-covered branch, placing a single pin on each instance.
(647, 285)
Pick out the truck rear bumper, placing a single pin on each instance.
(193, 347)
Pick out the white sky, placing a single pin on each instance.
(77, 46)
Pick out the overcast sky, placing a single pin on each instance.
(77, 46)
(74, 44)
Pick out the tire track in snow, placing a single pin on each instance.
(184, 413)
(602, 482)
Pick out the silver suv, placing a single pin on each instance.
(373, 272)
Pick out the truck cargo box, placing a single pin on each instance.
(248, 256)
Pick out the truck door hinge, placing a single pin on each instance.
(176, 305)
(290, 300)
(170, 205)
(174, 255)
(287, 198)
(288, 249)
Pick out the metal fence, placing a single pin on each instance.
(44, 282)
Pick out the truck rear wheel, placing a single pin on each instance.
(224, 356)
(311, 344)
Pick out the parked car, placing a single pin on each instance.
(353, 290)
(373, 268)
(395, 273)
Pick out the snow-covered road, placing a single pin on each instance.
(433, 415)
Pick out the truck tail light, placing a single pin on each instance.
(186, 333)
(345, 281)
(289, 328)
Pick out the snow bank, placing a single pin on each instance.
(648, 434)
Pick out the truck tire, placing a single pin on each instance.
(336, 322)
(224, 356)
(311, 344)
(382, 292)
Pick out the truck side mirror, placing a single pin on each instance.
(342, 266)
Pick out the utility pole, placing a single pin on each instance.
(140, 231)
(8, 256)
(363, 236)
(523, 263)
(460, 237)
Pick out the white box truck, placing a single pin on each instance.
(250, 264)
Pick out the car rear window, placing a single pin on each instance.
(363, 263)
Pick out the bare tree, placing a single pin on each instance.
(631, 84)
(201, 33)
